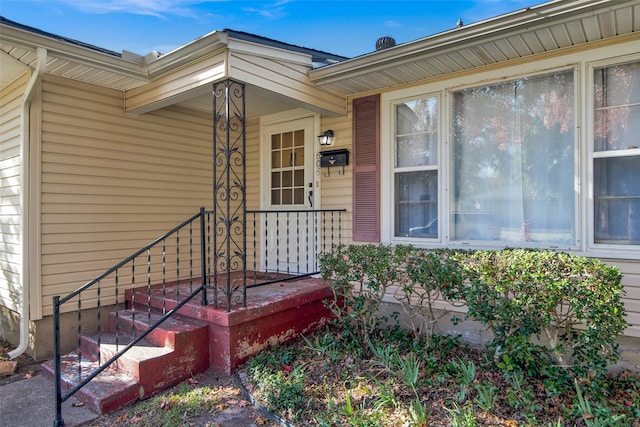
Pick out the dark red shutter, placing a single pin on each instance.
(366, 169)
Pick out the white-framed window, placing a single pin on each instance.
(543, 154)
(415, 167)
(288, 184)
(513, 157)
(616, 155)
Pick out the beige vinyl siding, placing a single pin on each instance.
(113, 182)
(631, 281)
(252, 160)
(285, 77)
(10, 209)
(337, 189)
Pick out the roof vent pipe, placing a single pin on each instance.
(385, 43)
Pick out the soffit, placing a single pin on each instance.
(68, 58)
(11, 69)
(540, 29)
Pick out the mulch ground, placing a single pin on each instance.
(26, 367)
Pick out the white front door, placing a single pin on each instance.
(289, 234)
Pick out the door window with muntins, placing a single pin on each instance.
(287, 168)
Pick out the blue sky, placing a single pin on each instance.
(348, 28)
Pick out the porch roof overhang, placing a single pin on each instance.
(275, 74)
(277, 79)
(517, 36)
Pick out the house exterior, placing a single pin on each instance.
(518, 131)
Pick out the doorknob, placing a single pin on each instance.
(311, 198)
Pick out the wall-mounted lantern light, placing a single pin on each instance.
(326, 138)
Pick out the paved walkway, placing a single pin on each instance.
(31, 403)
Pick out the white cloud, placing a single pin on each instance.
(138, 7)
(164, 8)
(393, 24)
(273, 10)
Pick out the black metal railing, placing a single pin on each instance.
(172, 270)
(175, 262)
(285, 244)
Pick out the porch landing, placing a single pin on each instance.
(197, 338)
(274, 313)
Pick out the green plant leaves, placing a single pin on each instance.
(574, 304)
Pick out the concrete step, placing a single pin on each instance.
(173, 352)
(169, 333)
(106, 392)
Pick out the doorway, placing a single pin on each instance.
(289, 227)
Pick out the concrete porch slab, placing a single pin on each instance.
(274, 313)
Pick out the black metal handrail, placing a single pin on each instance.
(95, 287)
(300, 235)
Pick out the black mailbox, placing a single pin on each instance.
(338, 157)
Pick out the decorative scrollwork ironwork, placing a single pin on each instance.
(229, 193)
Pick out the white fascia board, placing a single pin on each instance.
(192, 51)
(546, 14)
(270, 52)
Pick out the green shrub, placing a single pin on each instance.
(360, 276)
(574, 302)
(522, 295)
(429, 276)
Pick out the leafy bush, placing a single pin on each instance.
(429, 276)
(575, 302)
(360, 277)
(521, 295)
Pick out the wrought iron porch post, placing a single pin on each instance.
(229, 193)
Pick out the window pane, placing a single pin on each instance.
(275, 197)
(617, 107)
(287, 198)
(287, 139)
(617, 200)
(416, 204)
(417, 150)
(298, 157)
(275, 180)
(513, 153)
(275, 159)
(475, 225)
(287, 180)
(275, 141)
(416, 133)
(287, 158)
